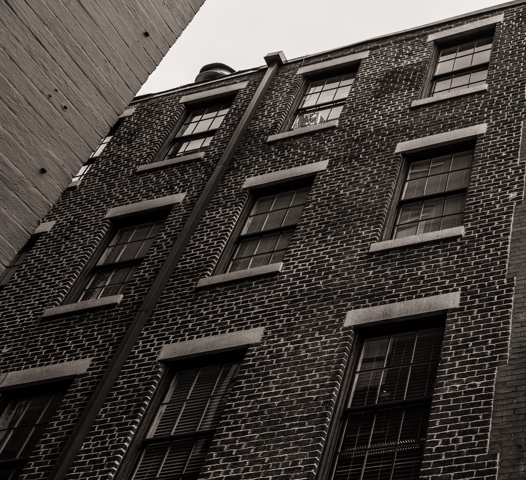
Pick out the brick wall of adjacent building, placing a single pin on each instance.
(70, 69)
(283, 413)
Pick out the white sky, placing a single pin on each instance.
(240, 33)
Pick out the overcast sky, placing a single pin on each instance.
(240, 33)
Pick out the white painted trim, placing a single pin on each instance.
(212, 344)
(145, 206)
(468, 28)
(446, 96)
(44, 227)
(440, 139)
(240, 275)
(212, 94)
(404, 309)
(170, 162)
(334, 64)
(46, 373)
(281, 176)
(302, 131)
(417, 239)
(84, 306)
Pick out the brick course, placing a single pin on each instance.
(282, 414)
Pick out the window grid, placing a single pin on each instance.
(323, 100)
(268, 229)
(184, 427)
(434, 194)
(386, 421)
(198, 129)
(22, 422)
(462, 65)
(119, 261)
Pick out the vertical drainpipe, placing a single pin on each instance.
(90, 413)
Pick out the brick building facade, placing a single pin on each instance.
(308, 270)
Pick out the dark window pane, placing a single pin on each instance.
(193, 404)
(386, 441)
(268, 229)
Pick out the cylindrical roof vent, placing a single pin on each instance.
(213, 70)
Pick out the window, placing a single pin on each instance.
(198, 129)
(182, 431)
(10, 270)
(268, 228)
(120, 259)
(462, 65)
(23, 419)
(385, 422)
(434, 192)
(323, 100)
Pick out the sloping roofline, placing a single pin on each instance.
(361, 42)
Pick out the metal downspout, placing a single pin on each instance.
(80, 432)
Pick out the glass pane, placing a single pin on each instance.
(387, 427)
(366, 388)
(445, 66)
(440, 165)
(454, 204)
(442, 85)
(274, 219)
(420, 381)
(401, 349)
(335, 113)
(260, 260)
(414, 188)
(247, 247)
(292, 216)
(393, 384)
(460, 81)
(283, 200)
(458, 179)
(255, 224)
(410, 213)
(432, 208)
(478, 77)
(418, 169)
(267, 243)
(462, 62)
(436, 184)
(407, 230)
(240, 264)
(427, 226)
(451, 221)
(461, 160)
(263, 204)
(481, 57)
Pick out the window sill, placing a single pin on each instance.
(171, 162)
(417, 239)
(84, 306)
(303, 131)
(240, 275)
(448, 95)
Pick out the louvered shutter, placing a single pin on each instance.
(385, 426)
(183, 430)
